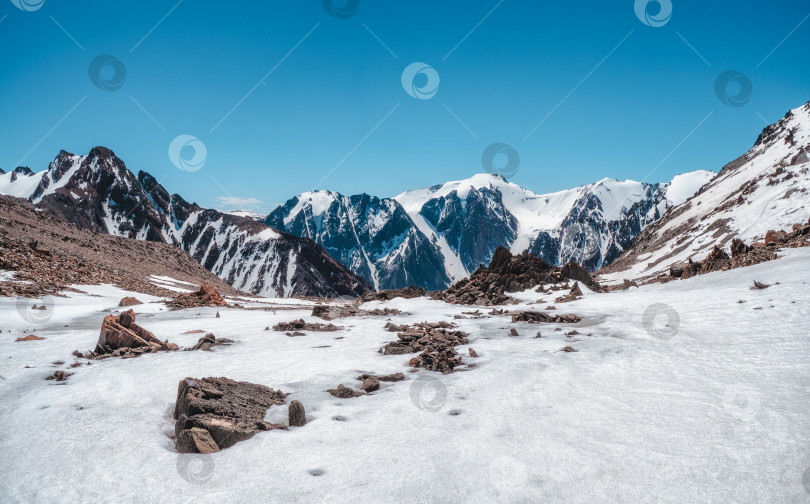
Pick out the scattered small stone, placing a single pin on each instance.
(59, 376)
(538, 334)
(295, 333)
(534, 317)
(217, 315)
(472, 352)
(297, 415)
(394, 377)
(572, 333)
(370, 384)
(758, 285)
(194, 331)
(568, 349)
(513, 332)
(343, 392)
(300, 325)
(209, 340)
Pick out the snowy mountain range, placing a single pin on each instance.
(765, 188)
(97, 192)
(433, 237)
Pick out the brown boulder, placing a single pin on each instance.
(370, 384)
(129, 301)
(195, 440)
(297, 415)
(206, 296)
(228, 410)
(30, 337)
(121, 332)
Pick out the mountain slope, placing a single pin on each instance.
(98, 193)
(765, 188)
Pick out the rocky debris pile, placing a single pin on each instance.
(741, 255)
(122, 337)
(394, 377)
(59, 376)
(300, 325)
(391, 327)
(207, 296)
(296, 414)
(409, 292)
(129, 301)
(209, 340)
(533, 317)
(508, 273)
(336, 311)
(215, 413)
(30, 337)
(573, 295)
(343, 392)
(436, 343)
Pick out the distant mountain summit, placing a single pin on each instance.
(433, 237)
(97, 192)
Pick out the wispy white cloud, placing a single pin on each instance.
(233, 201)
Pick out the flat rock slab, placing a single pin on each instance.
(229, 411)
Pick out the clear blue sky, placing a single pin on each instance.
(338, 96)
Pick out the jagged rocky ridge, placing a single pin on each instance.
(98, 193)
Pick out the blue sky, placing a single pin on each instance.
(285, 97)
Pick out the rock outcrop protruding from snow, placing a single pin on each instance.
(121, 336)
(223, 411)
(207, 296)
(435, 341)
(508, 273)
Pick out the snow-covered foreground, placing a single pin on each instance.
(709, 408)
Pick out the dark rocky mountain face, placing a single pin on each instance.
(374, 237)
(433, 237)
(98, 193)
(473, 227)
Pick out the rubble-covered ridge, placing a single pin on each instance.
(216, 413)
(300, 325)
(207, 296)
(741, 255)
(436, 343)
(409, 292)
(508, 273)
